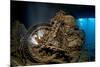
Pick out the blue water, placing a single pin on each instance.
(88, 26)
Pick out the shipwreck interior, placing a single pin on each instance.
(33, 13)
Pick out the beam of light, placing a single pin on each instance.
(88, 26)
(81, 19)
(81, 22)
(91, 20)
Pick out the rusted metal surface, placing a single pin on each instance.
(59, 41)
